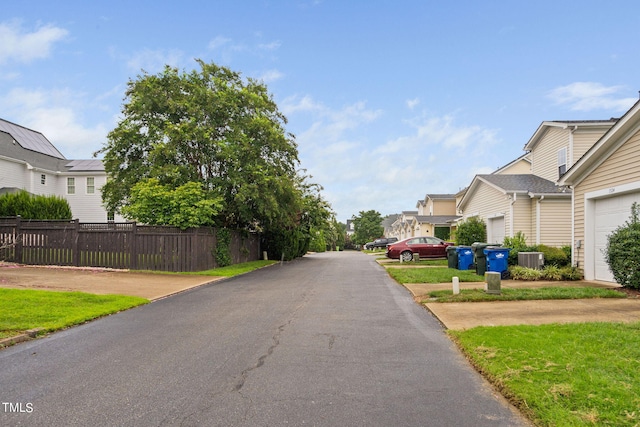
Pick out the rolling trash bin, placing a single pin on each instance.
(465, 257)
(479, 256)
(497, 261)
(452, 257)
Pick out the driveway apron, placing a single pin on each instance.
(326, 340)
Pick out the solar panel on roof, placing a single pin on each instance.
(30, 139)
(85, 165)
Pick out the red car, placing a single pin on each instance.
(426, 246)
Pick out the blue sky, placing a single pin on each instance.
(389, 100)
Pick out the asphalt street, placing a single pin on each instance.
(326, 340)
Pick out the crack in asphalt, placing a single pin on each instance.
(276, 341)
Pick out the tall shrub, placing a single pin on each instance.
(622, 252)
(30, 206)
(472, 230)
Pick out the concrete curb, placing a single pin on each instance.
(28, 335)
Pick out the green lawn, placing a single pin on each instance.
(562, 375)
(237, 269)
(433, 275)
(519, 294)
(21, 310)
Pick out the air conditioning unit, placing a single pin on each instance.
(531, 259)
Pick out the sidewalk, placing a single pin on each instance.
(467, 315)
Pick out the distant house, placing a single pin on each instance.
(605, 182)
(402, 226)
(532, 202)
(387, 224)
(436, 214)
(350, 227)
(28, 161)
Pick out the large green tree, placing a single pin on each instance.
(212, 127)
(367, 226)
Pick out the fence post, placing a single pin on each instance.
(75, 247)
(18, 249)
(133, 247)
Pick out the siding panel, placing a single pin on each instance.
(620, 168)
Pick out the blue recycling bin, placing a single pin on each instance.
(465, 257)
(497, 260)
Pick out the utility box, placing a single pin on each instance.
(531, 259)
(492, 282)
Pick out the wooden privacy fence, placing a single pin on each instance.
(118, 245)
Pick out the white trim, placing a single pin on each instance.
(573, 229)
(538, 220)
(590, 199)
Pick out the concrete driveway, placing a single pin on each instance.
(152, 286)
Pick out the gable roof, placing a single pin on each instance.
(439, 196)
(564, 124)
(526, 183)
(523, 158)
(30, 139)
(529, 184)
(435, 219)
(624, 128)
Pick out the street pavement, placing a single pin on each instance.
(326, 340)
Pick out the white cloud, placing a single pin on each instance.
(442, 132)
(20, 45)
(588, 96)
(54, 114)
(412, 103)
(432, 154)
(270, 76)
(219, 42)
(227, 48)
(294, 104)
(270, 46)
(153, 61)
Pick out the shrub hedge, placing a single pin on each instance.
(30, 206)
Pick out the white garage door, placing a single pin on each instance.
(495, 230)
(610, 213)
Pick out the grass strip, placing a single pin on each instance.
(24, 309)
(433, 275)
(427, 262)
(521, 294)
(562, 374)
(228, 271)
(236, 269)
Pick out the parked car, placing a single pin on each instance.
(426, 246)
(380, 243)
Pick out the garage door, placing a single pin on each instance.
(495, 230)
(610, 213)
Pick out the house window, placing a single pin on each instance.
(71, 186)
(111, 216)
(43, 179)
(91, 186)
(562, 161)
